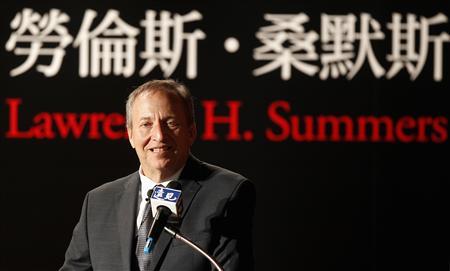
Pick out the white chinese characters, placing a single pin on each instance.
(39, 33)
(164, 42)
(338, 36)
(110, 45)
(107, 48)
(300, 49)
(404, 53)
(346, 45)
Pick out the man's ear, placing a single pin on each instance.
(130, 136)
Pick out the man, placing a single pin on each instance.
(217, 203)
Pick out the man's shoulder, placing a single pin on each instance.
(117, 185)
(220, 183)
(221, 172)
(212, 174)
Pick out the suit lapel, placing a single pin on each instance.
(189, 188)
(126, 216)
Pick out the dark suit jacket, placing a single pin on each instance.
(217, 215)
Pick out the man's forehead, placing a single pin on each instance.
(159, 96)
(152, 109)
(172, 105)
(156, 116)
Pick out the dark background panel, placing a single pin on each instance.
(320, 205)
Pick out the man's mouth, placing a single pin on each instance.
(160, 149)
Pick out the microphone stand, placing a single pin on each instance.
(178, 236)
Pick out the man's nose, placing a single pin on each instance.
(158, 132)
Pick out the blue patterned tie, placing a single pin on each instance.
(143, 258)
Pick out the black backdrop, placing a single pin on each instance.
(321, 204)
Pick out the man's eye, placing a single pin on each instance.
(172, 124)
(146, 124)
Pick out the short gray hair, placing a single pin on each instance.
(166, 85)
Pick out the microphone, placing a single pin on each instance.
(164, 201)
(149, 194)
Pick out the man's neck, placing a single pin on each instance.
(161, 176)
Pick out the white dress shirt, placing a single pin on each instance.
(146, 185)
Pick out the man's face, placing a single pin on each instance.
(160, 133)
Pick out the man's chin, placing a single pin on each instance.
(162, 165)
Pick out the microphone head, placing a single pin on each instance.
(174, 185)
(169, 197)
